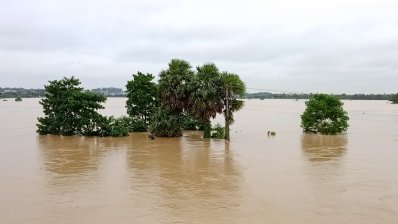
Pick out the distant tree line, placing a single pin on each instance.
(268, 95)
(34, 93)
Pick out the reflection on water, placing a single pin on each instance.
(291, 178)
(68, 155)
(202, 167)
(74, 155)
(185, 174)
(177, 176)
(318, 147)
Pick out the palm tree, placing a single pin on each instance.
(233, 87)
(206, 95)
(174, 93)
(174, 85)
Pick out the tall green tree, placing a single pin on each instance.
(174, 85)
(233, 88)
(324, 114)
(69, 110)
(205, 100)
(142, 98)
(174, 93)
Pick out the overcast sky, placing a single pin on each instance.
(331, 46)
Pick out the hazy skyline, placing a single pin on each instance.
(300, 46)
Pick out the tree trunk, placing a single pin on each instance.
(227, 114)
(226, 129)
(207, 129)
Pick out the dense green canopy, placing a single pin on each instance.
(324, 114)
(394, 98)
(69, 110)
(142, 98)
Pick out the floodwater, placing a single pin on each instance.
(288, 178)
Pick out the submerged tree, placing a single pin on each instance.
(69, 110)
(206, 97)
(233, 87)
(394, 98)
(141, 97)
(324, 114)
(166, 123)
(174, 92)
(199, 95)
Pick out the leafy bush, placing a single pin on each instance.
(166, 124)
(134, 125)
(324, 114)
(18, 99)
(191, 123)
(394, 98)
(111, 126)
(219, 132)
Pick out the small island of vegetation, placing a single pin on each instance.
(183, 99)
(324, 114)
(394, 98)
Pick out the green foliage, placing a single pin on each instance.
(219, 132)
(18, 99)
(68, 110)
(141, 97)
(166, 123)
(233, 87)
(207, 129)
(192, 123)
(394, 98)
(234, 83)
(134, 125)
(324, 114)
(111, 126)
(201, 95)
(174, 90)
(206, 100)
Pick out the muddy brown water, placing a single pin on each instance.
(289, 178)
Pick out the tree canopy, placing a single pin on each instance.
(324, 114)
(142, 98)
(205, 99)
(69, 110)
(233, 87)
(174, 90)
(201, 94)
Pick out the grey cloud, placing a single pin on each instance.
(286, 46)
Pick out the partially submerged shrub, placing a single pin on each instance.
(134, 125)
(324, 114)
(192, 123)
(111, 126)
(218, 132)
(69, 110)
(166, 124)
(394, 98)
